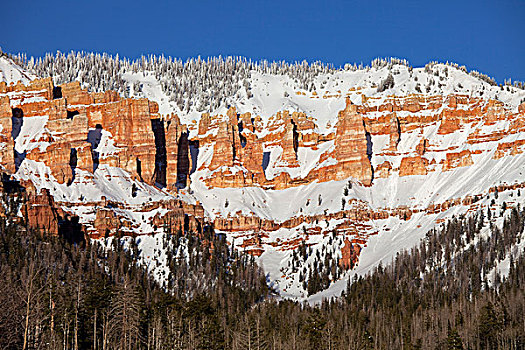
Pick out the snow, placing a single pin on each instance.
(31, 131)
(12, 73)
(106, 145)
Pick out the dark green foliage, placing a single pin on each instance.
(454, 340)
(81, 296)
(436, 296)
(489, 326)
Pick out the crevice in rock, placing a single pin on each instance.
(71, 114)
(265, 160)
(139, 168)
(398, 127)
(57, 92)
(194, 153)
(295, 139)
(234, 151)
(159, 175)
(183, 166)
(186, 223)
(17, 120)
(369, 149)
(94, 137)
(241, 136)
(369, 146)
(73, 159)
(19, 158)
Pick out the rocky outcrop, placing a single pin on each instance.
(172, 216)
(457, 159)
(72, 113)
(383, 170)
(46, 216)
(173, 137)
(289, 142)
(449, 124)
(422, 146)
(73, 122)
(41, 212)
(238, 153)
(227, 143)
(44, 87)
(106, 223)
(349, 254)
(509, 148)
(6, 141)
(74, 94)
(416, 165)
(352, 146)
(238, 158)
(239, 141)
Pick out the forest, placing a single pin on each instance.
(445, 293)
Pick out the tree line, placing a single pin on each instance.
(446, 293)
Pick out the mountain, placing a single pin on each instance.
(320, 173)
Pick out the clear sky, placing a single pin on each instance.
(485, 35)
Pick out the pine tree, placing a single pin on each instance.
(453, 339)
(488, 326)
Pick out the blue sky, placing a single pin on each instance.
(485, 35)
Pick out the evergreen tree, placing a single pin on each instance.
(453, 339)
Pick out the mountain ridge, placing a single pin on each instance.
(385, 169)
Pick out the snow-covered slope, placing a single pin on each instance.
(12, 73)
(275, 93)
(308, 225)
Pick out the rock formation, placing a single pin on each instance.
(413, 166)
(352, 146)
(76, 136)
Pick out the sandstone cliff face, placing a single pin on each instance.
(175, 143)
(289, 142)
(227, 144)
(6, 142)
(47, 217)
(349, 254)
(236, 144)
(159, 149)
(413, 166)
(458, 159)
(72, 123)
(71, 116)
(243, 150)
(41, 213)
(352, 146)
